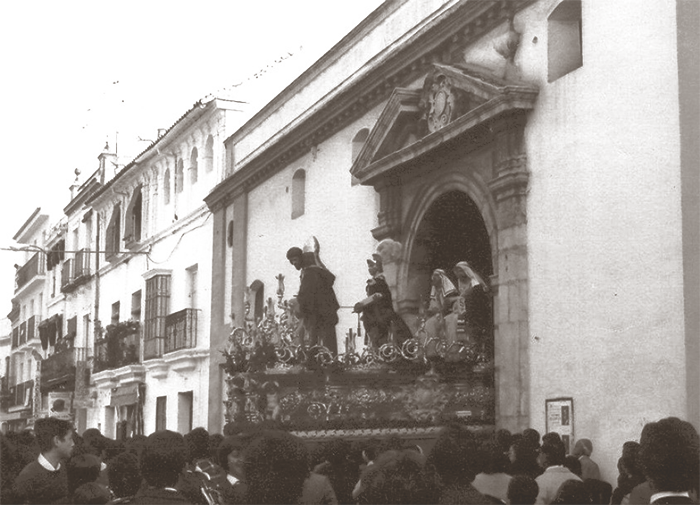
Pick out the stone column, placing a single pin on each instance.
(511, 327)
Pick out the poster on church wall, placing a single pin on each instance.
(559, 416)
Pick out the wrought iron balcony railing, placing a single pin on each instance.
(34, 267)
(60, 366)
(181, 330)
(120, 347)
(66, 274)
(81, 267)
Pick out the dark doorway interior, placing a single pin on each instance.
(451, 231)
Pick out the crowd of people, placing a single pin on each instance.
(261, 464)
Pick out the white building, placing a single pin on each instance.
(152, 356)
(28, 307)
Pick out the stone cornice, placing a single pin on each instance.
(438, 40)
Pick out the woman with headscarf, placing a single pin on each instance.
(474, 306)
(443, 295)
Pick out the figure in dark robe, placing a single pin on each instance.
(378, 315)
(317, 303)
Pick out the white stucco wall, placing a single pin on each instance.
(339, 214)
(604, 230)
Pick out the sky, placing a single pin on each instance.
(78, 74)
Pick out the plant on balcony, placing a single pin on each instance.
(113, 349)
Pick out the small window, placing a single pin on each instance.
(298, 193)
(136, 306)
(166, 187)
(179, 176)
(257, 299)
(115, 312)
(112, 241)
(209, 154)
(193, 166)
(564, 45)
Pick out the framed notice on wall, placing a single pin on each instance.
(559, 416)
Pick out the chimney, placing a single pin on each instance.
(161, 132)
(108, 161)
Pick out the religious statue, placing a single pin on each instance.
(317, 303)
(474, 308)
(443, 296)
(378, 315)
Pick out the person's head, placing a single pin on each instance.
(532, 436)
(629, 462)
(493, 457)
(163, 458)
(551, 453)
(337, 452)
(455, 455)
(81, 469)
(54, 435)
(522, 490)
(215, 440)
(573, 464)
(91, 493)
(583, 447)
(552, 436)
(400, 477)
(572, 492)
(124, 475)
(135, 445)
(230, 455)
(94, 442)
(503, 438)
(669, 455)
(374, 266)
(276, 464)
(197, 442)
(294, 255)
(370, 450)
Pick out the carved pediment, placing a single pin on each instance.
(454, 99)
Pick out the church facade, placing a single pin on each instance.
(522, 138)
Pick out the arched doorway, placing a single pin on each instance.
(452, 230)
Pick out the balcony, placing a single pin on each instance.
(119, 347)
(75, 271)
(21, 395)
(60, 367)
(66, 275)
(31, 270)
(181, 330)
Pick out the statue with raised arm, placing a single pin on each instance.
(316, 300)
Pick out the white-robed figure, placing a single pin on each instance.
(443, 295)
